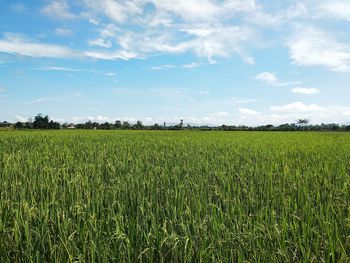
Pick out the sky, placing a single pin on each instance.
(209, 62)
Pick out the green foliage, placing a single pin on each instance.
(162, 196)
(303, 122)
(40, 122)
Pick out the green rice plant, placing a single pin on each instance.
(162, 196)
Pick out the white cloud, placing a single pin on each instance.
(314, 47)
(191, 65)
(271, 78)
(109, 30)
(148, 119)
(118, 11)
(189, 9)
(58, 9)
(307, 91)
(100, 42)
(199, 32)
(16, 44)
(110, 74)
(163, 67)
(297, 107)
(335, 8)
(205, 10)
(103, 118)
(113, 55)
(196, 26)
(2, 89)
(223, 42)
(331, 113)
(184, 66)
(21, 118)
(245, 111)
(98, 118)
(94, 21)
(65, 32)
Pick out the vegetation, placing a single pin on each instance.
(39, 122)
(42, 122)
(140, 196)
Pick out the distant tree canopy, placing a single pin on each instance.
(303, 122)
(41, 121)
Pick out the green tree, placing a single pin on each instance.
(138, 125)
(126, 125)
(118, 125)
(41, 122)
(303, 122)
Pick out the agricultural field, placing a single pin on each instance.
(161, 196)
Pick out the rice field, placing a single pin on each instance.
(141, 196)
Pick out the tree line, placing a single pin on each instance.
(43, 122)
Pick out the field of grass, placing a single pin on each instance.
(138, 196)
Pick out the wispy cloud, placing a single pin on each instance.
(40, 100)
(117, 11)
(110, 74)
(65, 32)
(314, 47)
(112, 55)
(60, 69)
(191, 65)
(100, 42)
(19, 8)
(17, 44)
(297, 107)
(67, 69)
(58, 9)
(163, 67)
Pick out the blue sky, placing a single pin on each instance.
(205, 61)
